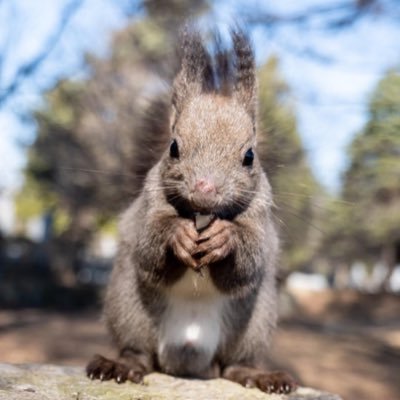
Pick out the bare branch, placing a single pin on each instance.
(335, 16)
(28, 69)
(8, 37)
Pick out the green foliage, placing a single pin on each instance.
(31, 201)
(35, 200)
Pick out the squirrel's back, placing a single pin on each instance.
(151, 138)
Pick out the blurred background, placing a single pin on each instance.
(74, 79)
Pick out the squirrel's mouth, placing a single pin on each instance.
(217, 209)
(203, 203)
(193, 204)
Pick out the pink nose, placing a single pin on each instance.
(205, 186)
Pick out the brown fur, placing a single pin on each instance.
(213, 121)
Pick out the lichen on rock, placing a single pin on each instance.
(50, 382)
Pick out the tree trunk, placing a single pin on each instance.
(388, 257)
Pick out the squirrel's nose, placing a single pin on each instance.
(205, 186)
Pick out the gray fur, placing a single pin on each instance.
(213, 129)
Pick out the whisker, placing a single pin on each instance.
(327, 207)
(304, 220)
(285, 227)
(291, 194)
(96, 171)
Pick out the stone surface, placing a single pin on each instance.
(49, 382)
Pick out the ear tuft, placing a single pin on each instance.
(196, 73)
(228, 72)
(245, 80)
(223, 66)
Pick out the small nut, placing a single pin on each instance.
(202, 221)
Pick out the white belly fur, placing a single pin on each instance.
(194, 314)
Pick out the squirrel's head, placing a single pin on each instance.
(211, 165)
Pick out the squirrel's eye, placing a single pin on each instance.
(174, 150)
(248, 158)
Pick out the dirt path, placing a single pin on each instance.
(356, 361)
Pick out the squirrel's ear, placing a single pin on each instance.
(196, 74)
(245, 88)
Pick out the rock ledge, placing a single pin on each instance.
(50, 382)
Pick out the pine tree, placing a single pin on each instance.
(372, 180)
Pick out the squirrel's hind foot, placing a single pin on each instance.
(269, 382)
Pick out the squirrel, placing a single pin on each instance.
(193, 289)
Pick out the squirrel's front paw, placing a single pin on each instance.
(183, 241)
(216, 242)
(104, 369)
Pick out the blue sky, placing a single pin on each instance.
(29, 23)
(329, 97)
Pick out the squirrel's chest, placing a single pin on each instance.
(193, 316)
